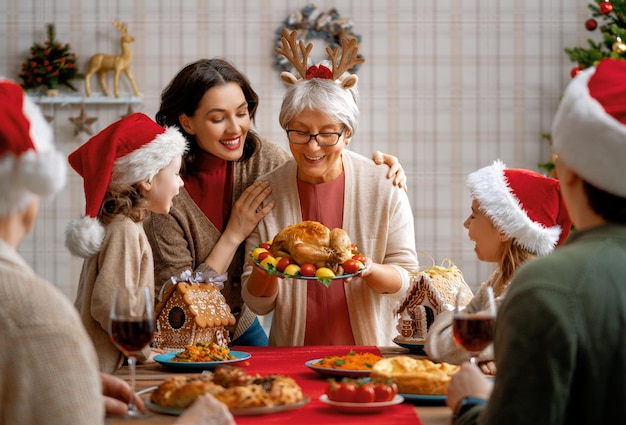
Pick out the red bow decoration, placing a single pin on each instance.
(319, 71)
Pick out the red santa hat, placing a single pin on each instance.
(522, 204)
(29, 163)
(129, 151)
(589, 128)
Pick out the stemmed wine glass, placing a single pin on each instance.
(131, 327)
(474, 331)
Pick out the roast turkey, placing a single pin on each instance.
(312, 242)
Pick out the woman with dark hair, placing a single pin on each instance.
(213, 104)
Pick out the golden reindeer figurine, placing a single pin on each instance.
(103, 63)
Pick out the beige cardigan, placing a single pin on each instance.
(378, 218)
(48, 367)
(124, 260)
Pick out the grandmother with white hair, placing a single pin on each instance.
(327, 183)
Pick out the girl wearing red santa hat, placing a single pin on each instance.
(129, 169)
(559, 335)
(516, 215)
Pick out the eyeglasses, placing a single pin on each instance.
(298, 137)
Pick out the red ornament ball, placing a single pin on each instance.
(606, 7)
(575, 71)
(591, 24)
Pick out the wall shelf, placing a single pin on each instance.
(95, 99)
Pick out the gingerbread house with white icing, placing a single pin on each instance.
(191, 311)
(432, 291)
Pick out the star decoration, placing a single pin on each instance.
(129, 111)
(82, 123)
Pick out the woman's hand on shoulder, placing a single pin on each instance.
(395, 168)
(247, 211)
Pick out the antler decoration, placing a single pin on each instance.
(292, 53)
(349, 50)
(296, 53)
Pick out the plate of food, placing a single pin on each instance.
(418, 380)
(310, 251)
(350, 365)
(414, 345)
(168, 360)
(361, 407)
(244, 395)
(243, 411)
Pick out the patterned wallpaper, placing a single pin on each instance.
(448, 86)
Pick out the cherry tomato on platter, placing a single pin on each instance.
(359, 257)
(283, 263)
(384, 391)
(263, 255)
(308, 269)
(343, 391)
(265, 245)
(364, 393)
(351, 266)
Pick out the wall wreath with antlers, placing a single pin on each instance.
(312, 23)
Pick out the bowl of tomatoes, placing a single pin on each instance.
(361, 395)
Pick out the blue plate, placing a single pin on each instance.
(425, 398)
(415, 346)
(166, 360)
(327, 371)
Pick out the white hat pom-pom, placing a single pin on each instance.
(84, 237)
(41, 173)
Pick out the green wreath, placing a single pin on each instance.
(312, 23)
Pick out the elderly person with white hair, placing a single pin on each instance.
(326, 183)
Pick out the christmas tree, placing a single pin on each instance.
(50, 65)
(613, 29)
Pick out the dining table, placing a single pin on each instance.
(295, 362)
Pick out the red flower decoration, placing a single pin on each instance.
(320, 71)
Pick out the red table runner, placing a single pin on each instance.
(291, 361)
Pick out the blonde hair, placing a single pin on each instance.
(511, 258)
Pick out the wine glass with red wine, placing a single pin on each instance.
(474, 331)
(131, 327)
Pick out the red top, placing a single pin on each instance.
(327, 319)
(210, 185)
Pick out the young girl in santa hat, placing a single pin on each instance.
(129, 169)
(516, 215)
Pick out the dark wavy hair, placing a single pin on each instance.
(183, 94)
(610, 207)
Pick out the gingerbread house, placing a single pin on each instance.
(432, 291)
(191, 311)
